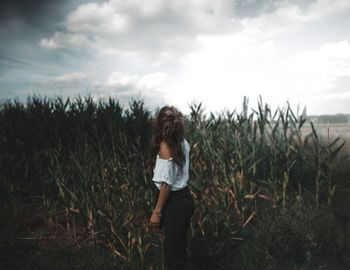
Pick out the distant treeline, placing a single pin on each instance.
(338, 118)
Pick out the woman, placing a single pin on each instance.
(174, 204)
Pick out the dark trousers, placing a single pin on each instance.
(176, 217)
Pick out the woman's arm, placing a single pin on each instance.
(163, 196)
(164, 153)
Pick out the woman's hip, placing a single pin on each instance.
(178, 208)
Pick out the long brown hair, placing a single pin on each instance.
(169, 127)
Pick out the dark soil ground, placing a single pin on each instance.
(23, 248)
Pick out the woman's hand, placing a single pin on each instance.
(155, 219)
(162, 197)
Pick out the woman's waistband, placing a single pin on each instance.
(179, 190)
(177, 193)
(184, 192)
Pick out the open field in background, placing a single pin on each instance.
(334, 130)
(329, 132)
(77, 172)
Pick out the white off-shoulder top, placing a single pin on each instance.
(166, 170)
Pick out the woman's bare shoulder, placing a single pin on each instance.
(164, 151)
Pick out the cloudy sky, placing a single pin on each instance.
(178, 52)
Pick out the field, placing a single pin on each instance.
(331, 131)
(335, 130)
(269, 193)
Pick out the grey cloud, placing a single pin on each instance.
(169, 28)
(30, 11)
(253, 8)
(35, 12)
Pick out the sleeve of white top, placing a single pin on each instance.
(165, 171)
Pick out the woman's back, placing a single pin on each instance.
(166, 170)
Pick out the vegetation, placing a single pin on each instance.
(267, 196)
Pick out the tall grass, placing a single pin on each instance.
(85, 165)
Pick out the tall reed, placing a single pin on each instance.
(84, 164)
